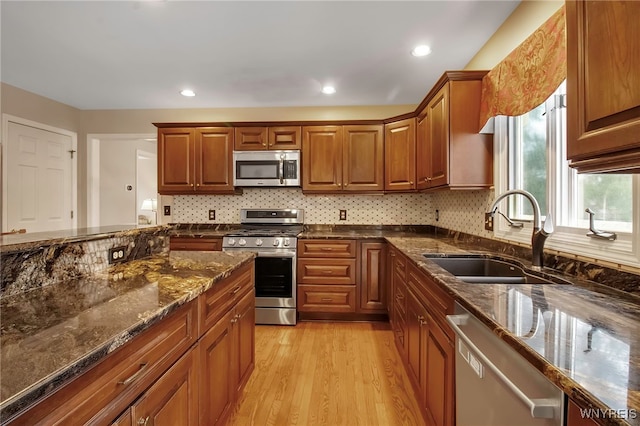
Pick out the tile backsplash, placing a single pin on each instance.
(463, 211)
(388, 209)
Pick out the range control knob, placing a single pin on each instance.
(258, 242)
(242, 242)
(286, 242)
(276, 242)
(231, 241)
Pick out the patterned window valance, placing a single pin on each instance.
(529, 74)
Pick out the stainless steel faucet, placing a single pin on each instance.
(540, 232)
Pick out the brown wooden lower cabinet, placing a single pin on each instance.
(575, 418)
(342, 279)
(167, 375)
(173, 399)
(427, 350)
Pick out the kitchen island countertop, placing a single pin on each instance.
(54, 333)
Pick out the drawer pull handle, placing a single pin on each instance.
(143, 421)
(135, 376)
(326, 299)
(236, 290)
(327, 272)
(326, 248)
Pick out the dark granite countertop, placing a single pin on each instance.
(583, 336)
(30, 240)
(52, 334)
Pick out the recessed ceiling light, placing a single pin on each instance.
(328, 90)
(421, 50)
(187, 92)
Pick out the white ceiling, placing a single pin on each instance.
(120, 55)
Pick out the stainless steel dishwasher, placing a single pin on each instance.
(494, 384)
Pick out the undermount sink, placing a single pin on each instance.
(482, 270)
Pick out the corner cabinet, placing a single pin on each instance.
(342, 279)
(400, 155)
(603, 85)
(195, 160)
(342, 159)
(450, 153)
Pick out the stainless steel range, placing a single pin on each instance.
(273, 235)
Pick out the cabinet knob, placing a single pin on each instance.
(429, 178)
(142, 421)
(264, 144)
(191, 184)
(410, 182)
(197, 184)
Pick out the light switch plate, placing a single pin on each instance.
(212, 215)
(343, 215)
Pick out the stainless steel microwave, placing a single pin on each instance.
(266, 168)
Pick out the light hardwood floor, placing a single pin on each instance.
(319, 373)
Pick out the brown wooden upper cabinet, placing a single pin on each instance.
(195, 160)
(263, 138)
(400, 155)
(603, 86)
(450, 153)
(342, 158)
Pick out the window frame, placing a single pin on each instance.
(572, 241)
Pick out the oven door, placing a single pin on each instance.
(275, 279)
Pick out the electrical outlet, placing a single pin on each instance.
(488, 222)
(437, 215)
(117, 254)
(343, 215)
(167, 210)
(212, 215)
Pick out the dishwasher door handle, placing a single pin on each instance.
(542, 408)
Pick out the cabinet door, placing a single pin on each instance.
(217, 387)
(373, 295)
(416, 316)
(439, 375)
(423, 155)
(285, 137)
(400, 155)
(214, 156)
(438, 140)
(244, 335)
(363, 158)
(173, 399)
(603, 82)
(175, 160)
(322, 158)
(250, 138)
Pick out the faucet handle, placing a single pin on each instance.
(548, 226)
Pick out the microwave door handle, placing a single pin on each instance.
(282, 156)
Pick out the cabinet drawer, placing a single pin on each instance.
(322, 298)
(327, 271)
(326, 248)
(224, 295)
(107, 389)
(438, 303)
(400, 266)
(193, 243)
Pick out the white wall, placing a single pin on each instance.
(117, 170)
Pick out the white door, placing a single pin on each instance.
(39, 183)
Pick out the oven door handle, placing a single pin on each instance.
(276, 254)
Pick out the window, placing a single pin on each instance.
(532, 157)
